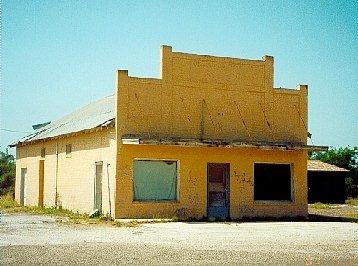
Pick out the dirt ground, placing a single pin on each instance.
(33, 240)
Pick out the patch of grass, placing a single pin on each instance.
(159, 221)
(353, 202)
(319, 205)
(353, 215)
(175, 219)
(9, 205)
(131, 223)
(7, 202)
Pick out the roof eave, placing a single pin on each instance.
(23, 143)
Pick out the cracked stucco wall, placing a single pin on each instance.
(207, 97)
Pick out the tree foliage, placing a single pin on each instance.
(342, 157)
(7, 173)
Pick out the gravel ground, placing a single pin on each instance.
(30, 240)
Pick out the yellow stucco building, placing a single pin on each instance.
(211, 137)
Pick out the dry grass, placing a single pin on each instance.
(347, 211)
(319, 205)
(131, 223)
(353, 202)
(9, 205)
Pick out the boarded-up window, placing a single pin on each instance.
(272, 181)
(154, 180)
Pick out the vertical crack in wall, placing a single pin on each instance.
(242, 119)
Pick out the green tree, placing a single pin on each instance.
(7, 173)
(342, 157)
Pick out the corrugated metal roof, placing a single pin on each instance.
(316, 165)
(96, 114)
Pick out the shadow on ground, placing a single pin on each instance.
(327, 218)
(311, 218)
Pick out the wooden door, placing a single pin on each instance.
(23, 186)
(98, 187)
(41, 182)
(218, 190)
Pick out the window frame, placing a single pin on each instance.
(291, 201)
(43, 152)
(177, 200)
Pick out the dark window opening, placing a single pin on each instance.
(272, 181)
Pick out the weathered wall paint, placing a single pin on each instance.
(75, 180)
(212, 98)
(192, 182)
(207, 97)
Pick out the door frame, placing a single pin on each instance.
(23, 181)
(95, 187)
(41, 183)
(227, 187)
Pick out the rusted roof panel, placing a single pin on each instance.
(316, 165)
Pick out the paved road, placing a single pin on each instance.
(31, 240)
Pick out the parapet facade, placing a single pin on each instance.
(211, 98)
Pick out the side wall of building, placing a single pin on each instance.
(75, 173)
(192, 182)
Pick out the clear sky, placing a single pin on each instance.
(57, 56)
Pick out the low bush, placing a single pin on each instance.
(319, 205)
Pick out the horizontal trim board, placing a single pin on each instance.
(220, 143)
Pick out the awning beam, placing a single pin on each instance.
(130, 140)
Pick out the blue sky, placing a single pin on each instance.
(57, 56)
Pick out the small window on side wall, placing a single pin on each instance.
(272, 182)
(68, 150)
(43, 153)
(154, 180)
